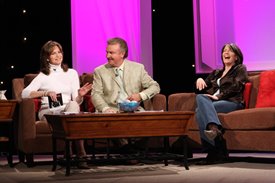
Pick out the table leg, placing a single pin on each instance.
(108, 148)
(93, 147)
(10, 154)
(68, 157)
(54, 153)
(185, 153)
(166, 147)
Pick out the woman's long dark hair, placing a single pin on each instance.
(45, 53)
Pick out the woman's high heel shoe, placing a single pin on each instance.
(213, 132)
(210, 134)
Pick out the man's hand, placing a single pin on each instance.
(135, 97)
(109, 110)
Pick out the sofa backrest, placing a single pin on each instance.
(254, 79)
(28, 78)
(86, 78)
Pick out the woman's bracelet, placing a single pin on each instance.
(79, 99)
(45, 93)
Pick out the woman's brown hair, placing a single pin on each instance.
(45, 53)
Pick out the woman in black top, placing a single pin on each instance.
(223, 93)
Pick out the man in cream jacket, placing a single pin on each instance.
(136, 85)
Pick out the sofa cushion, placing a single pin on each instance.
(37, 104)
(249, 119)
(266, 93)
(42, 127)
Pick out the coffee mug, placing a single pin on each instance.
(2, 95)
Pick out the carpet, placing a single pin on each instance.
(42, 173)
(248, 169)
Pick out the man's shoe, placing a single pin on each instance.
(142, 143)
(133, 162)
(83, 165)
(128, 149)
(178, 147)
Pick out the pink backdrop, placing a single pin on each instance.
(248, 23)
(95, 21)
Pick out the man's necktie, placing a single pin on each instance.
(122, 94)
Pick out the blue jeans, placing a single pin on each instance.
(206, 112)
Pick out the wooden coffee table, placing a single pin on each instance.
(7, 117)
(71, 127)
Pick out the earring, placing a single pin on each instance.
(48, 60)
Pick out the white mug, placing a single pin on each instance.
(2, 95)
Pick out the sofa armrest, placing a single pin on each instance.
(182, 102)
(158, 102)
(27, 119)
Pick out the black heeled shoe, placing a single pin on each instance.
(216, 154)
(210, 134)
(213, 158)
(213, 132)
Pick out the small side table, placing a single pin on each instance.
(7, 117)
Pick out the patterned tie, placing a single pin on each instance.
(122, 94)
